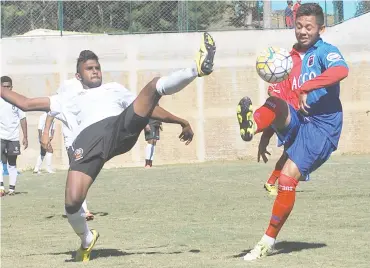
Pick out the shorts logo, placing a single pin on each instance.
(78, 153)
(311, 61)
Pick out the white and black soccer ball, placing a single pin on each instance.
(274, 64)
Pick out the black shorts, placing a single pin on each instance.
(69, 153)
(104, 140)
(153, 134)
(9, 148)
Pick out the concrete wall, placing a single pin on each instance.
(38, 64)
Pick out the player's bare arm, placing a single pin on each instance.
(264, 142)
(52, 134)
(24, 130)
(161, 114)
(45, 139)
(41, 104)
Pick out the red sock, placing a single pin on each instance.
(274, 176)
(283, 205)
(263, 117)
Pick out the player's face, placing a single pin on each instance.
(7, 85)
(307, 31)
(90, 74)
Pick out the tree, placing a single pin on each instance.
(362, 7)
(19, 17)
(247, 14)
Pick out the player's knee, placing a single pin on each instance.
(287, 183)
(72, 205)
(275, 103)
(12, 160)
(73, 201)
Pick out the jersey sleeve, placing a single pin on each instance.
(330, 56)
(21, 114)
(55, 105)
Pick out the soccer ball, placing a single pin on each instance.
(274, 64)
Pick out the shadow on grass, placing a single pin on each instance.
(15, 193)
(110, 252)
(100, 214)
(286, 247)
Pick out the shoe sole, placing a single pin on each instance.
(244, 114)
(269, 191)
(210, 46)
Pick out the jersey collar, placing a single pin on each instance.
(318, 43)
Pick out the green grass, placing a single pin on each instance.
(199, 215)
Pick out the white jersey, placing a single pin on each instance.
(70, 131)
(89, 106)
(10, 117)
(42, 121)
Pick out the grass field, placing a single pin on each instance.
(199, 215)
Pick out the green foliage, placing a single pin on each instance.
(362, 7)
(118, 17)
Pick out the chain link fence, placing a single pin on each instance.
(32, 18)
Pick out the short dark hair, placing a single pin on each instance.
(85, 55)
(311, 9)
(6, 79)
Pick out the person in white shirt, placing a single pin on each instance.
(10, 119)
(110, 119)
(75, 86)
(47, 152)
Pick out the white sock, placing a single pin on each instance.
(48, 158)
(149, 151)
(38, 163)
(268, 240)
(176, 81)
(13, 174)
(84, 206)
(1, 176)
(79, 225)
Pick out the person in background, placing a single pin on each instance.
(48, 152)
(289, 15)
(151, 131)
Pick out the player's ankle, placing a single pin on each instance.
(268, 239)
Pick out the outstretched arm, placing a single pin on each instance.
(164, 116)
(24, 103)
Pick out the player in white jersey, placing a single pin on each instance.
(47, 152)
(71, 86)
(110, 120)
(10, 119)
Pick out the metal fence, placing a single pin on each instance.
(32, 18)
